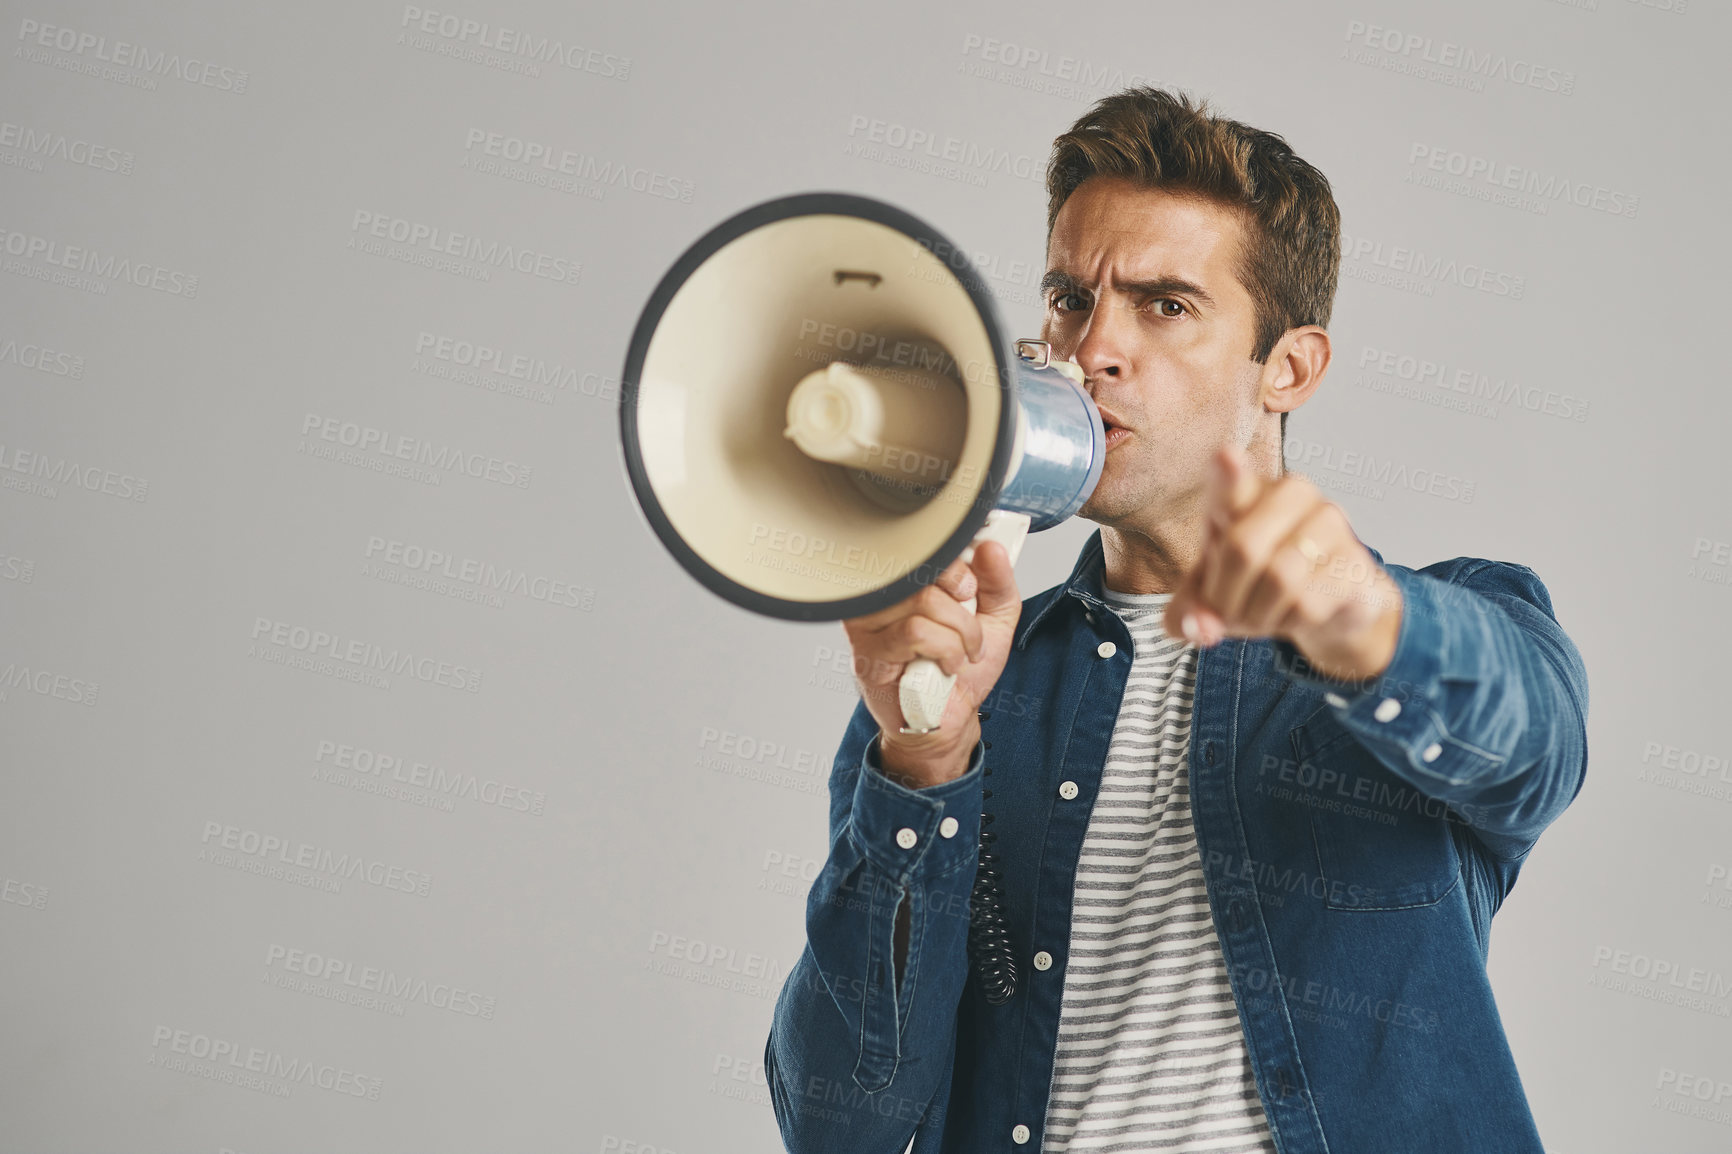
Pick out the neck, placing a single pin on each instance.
(1154, 558)
(1150, 560)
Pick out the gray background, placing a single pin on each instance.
(613, 950)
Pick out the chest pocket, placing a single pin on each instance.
(1380, 843)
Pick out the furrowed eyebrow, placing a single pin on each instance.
(1056, 279)
(1160, 286)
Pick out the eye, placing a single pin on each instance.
(1061, 295)
(1178, 309)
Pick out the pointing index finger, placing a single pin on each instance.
(1234, 487)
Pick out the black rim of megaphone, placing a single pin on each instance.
(812, 204)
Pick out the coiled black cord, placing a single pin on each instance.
(988, 934)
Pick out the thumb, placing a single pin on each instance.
(997, 595)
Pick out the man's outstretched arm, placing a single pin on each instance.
(1483, 704)
(1457, 677)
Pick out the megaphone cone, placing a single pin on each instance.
(820, 412)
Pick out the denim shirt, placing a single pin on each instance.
(1355, 837)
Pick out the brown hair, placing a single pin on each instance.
(1160, 139)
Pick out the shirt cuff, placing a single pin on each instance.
(1396, 704)
(932, 830)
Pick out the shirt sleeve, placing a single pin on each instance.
(854, 1060)
(1483, 705)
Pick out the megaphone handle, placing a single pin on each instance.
(924, 689)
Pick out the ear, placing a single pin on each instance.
(1295, 368)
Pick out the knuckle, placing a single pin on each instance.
(932, 599)
(907, 632)
(1310, 612)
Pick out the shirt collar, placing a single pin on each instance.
(1084, 584)
(1086, 580)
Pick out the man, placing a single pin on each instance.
(1255, 794)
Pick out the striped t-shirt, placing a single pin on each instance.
(1151, 1055)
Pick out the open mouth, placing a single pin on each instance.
(1115, 432)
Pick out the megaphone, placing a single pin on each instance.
(820, 412)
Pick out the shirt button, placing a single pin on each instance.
(1106, 649)
(1387, 709)
(1019, 1134)
(947, 827)
(1335, 699)
(1431, 752)
(1067, 790)
(906, 838)
(1043, 961)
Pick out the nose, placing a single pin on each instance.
(1105, 336)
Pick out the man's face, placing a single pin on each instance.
(1141, 292)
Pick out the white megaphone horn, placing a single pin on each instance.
(820, 412)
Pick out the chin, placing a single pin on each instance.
(1105, 509)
